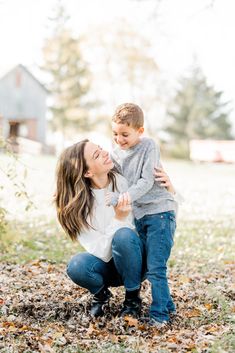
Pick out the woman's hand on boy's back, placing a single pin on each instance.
(162, 177)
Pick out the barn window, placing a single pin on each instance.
(18, 78)
(23, 130)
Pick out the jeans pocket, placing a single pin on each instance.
(172, 229)
(171, 215)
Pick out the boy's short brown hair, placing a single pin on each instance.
(130, 114)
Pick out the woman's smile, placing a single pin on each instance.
(107, 161)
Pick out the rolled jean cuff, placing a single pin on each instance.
(131, 289)
(96, 292)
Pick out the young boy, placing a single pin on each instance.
(153, 206)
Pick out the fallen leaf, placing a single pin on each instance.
(212, 329)
(45, 348)
(57, 335)
(1, 301)
(172, 339)
(184, 279)
(8, 324)
(229, 262)
(92, 330)
(131, 322)
(113, 338)
(36, 263)
(50, 268)
(191, 347)
(24, 328)
(193, 313)
(208, 306)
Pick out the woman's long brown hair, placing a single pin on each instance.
(74, 198)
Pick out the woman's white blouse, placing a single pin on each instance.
(97, 240)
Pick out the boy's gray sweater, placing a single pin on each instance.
(137, 166)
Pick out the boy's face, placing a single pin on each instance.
(126, 136)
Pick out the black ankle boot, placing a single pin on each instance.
(131, 305)
(99, 301)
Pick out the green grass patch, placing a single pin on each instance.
(204, 241)
(24, 242)
(225, 344)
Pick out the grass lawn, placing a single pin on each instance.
(42, 311)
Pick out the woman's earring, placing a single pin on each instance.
(88, 174)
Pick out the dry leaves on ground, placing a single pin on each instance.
(43, 311)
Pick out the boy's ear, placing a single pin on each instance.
(141, 130)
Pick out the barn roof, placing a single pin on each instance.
(22, 67)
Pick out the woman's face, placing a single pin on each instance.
(97, 160)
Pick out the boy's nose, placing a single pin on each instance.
(119, 139)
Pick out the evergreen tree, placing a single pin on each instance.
(197, 112)
(68, 75)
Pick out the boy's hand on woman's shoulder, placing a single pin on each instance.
(111, 198)
(124, 199)
(123, 207)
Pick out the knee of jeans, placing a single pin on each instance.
(124, 236)
(76, 269)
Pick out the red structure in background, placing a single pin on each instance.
(212, 151)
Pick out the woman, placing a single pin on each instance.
(114, 252)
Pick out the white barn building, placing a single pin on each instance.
(22, 106)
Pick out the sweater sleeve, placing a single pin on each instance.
(146, 181)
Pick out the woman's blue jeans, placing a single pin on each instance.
(157, 232)
(125, 267)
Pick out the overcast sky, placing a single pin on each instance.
(182, 29)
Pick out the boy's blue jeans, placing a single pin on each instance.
(125, 268)
(156, 232)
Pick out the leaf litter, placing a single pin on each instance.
(43, 311)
